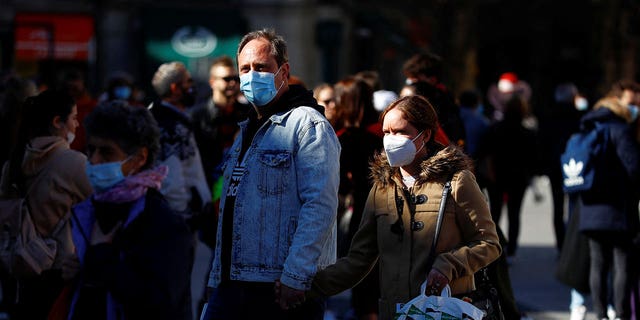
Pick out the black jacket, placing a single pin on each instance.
(146, 269)
(614, 205)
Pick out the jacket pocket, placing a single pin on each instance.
(274, 168)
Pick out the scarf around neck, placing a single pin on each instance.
(135, 186)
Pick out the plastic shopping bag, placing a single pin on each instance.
(442, 307)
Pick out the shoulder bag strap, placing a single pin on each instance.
(443, 203)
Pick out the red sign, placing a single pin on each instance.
(57, 36)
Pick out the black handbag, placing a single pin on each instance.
(485, 297)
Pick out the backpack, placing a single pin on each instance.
(584, 158)
(23, 251)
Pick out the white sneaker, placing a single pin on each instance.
(611, 313)
(578, 313)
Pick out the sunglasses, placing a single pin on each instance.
(327, 102)
(229, 78)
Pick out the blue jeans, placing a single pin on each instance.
(236, 300)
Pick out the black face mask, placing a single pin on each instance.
(188, 96)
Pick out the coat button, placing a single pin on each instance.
(417, 225)
(421, 198)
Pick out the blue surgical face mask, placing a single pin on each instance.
(259, 87)
(122, 92)
(103, 176)
(634, 112)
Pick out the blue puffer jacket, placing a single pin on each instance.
(614, 205)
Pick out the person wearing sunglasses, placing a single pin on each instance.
(215, 122)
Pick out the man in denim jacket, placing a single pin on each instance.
(278, 210)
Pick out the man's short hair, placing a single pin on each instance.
(224, 61)
(372, 78)
(278, 45)
(427, 64)
(168, 73)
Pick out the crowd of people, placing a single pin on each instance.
(302, 194)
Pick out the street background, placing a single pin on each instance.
(537, 292)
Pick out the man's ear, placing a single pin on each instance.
(173, 88)
(285, 70)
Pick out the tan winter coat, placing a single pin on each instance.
(56, 180)
(468, 240)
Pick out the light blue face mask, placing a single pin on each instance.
(634, 112)
(581, 103)
(122, 92)
(259, 87)
(103, 176)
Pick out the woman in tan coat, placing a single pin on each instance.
(54, 176)
(399, 219)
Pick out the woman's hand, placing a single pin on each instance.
(436, 281)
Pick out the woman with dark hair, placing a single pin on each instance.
(399, 218)
(134, 252)
(51, 175)
(353, 97)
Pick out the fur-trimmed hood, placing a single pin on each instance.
(613, 104)
(440, 166)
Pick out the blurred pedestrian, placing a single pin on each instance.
(325, 95)
(134, 252)
(509, 150)
(15, 91)
(121, 87)
(186, 187)
(421, 88)
(609, 212)
(74, 83)
(475, 123)
(381, 98)
(508, 86)
(215, 122)
(425, 71)
(556, 126)
(359, 146)
(52, 176)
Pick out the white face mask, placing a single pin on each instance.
(400, 150)
(70, 137)
(581, 103)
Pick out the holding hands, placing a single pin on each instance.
(287, 297)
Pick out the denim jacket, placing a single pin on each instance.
(284, 222)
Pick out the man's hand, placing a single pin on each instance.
(436, 281)
(287, 297)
